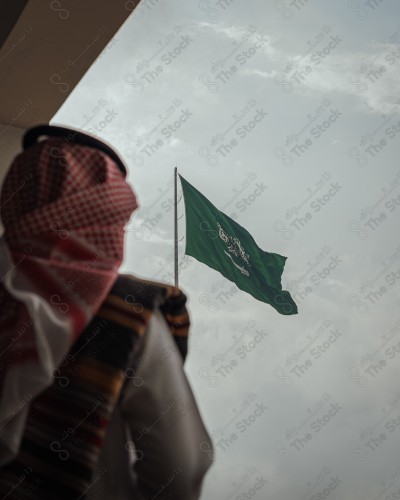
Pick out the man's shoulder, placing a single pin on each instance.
(146, 296)
(135, 289)
(127, 281)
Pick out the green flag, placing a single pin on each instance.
(221, 243)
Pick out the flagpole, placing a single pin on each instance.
(176, 227)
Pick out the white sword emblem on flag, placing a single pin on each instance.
(235, 247)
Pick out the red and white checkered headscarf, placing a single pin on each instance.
(64, 208)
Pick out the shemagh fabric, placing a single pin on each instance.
(64, 208)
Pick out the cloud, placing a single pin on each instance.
(371, 76)
(243, 35)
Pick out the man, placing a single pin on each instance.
(94, 401)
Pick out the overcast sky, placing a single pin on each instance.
(285, 115)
